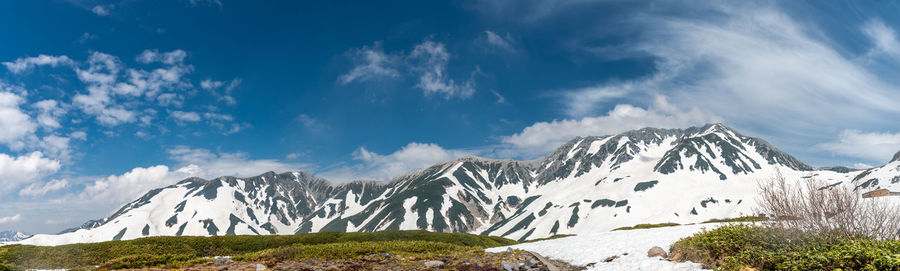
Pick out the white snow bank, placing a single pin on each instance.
(596, 247)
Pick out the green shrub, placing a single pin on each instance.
(358, 249)
(147, 260)
(733, 247)
(646, 226)
(737, 219)
(556, 236)
(93, 254)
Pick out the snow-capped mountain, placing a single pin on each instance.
(589, 184)
(884, 177)
(13, 236)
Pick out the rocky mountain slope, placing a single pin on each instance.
(589, 184)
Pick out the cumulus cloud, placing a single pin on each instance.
(372, 64)
(128, 186)
(107, 85)
(25, 64)
(41, 189)
(432, 58)
(228, 87)
(428, 61)
(543, 137)
(49, 113)
(56, 146)
(876, 147)
(374, 166)
(15, 125)
(17, 170)
(211, 164)
(185, 116)
(12, 218)
(101, 74)
(171, 58)
(80, 135)
(100, 10)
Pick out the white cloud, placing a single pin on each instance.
(207, 2)
(80, 135)
(211, 165)
(542, 137)
(373, 64)
(100, 10)
(15, 125)
(500, 98)
(862, 166)
(883, 37)
(25, 64)
(102, 69)
(8, 219)
(56, 146)
(217, 116)
(431, 60)
(36, 189)
(185, 116)
(212, 86)
(50, 111)
(373, 166)
(754, 66)
(310, 123)
(102, 73)
(171, 58)
(876, 147)
(501, 42)
(23, 169)
(428, 60)
(128, 186)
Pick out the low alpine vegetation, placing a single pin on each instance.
(171, 251)
(737, 219)
(814, 227)
(646, 226)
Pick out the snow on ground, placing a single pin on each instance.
(596, 247)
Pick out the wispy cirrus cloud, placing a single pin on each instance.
(879, 147)
(372, 64)
(495, 40)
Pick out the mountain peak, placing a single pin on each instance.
(896, 157)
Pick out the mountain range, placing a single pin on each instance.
(13, 236)
(594, 183)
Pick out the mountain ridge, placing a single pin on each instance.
(589, 183)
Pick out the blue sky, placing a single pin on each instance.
(103, 100)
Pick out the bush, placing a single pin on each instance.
(357, 249)
(147, 260)
(735, 246)
(811, 205)
(815, 227)
(92, 254)
(737, 219)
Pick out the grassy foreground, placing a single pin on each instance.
(737, 246)
(170, 251)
